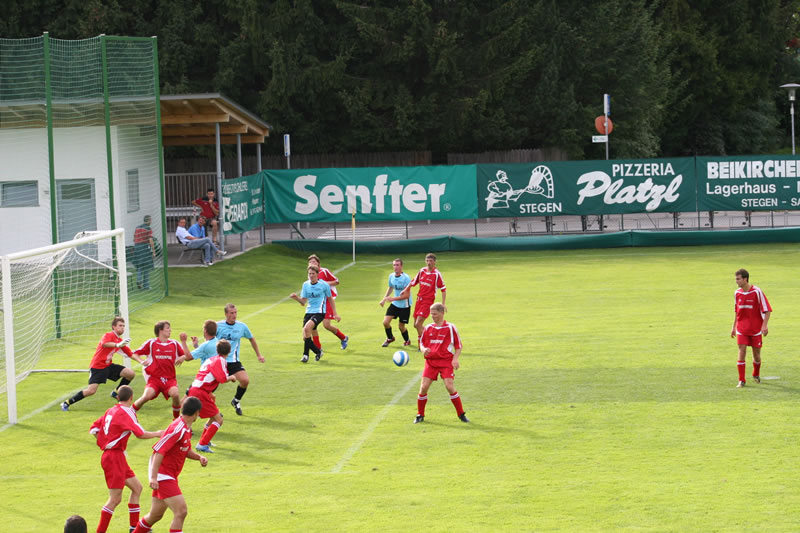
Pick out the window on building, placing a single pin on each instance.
(132, 185)
(19, 194)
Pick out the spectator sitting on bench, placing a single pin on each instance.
(210, 210)
(193, 243)
(198, 229)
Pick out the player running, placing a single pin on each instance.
(166, 463)
(751, 315)
(233, 331)
(212, 373)
(112, 431)
(429, 279)
(441, 346)
(102, 368)
(400, 307)
(315, 294)
(164, 354)
(328, 277)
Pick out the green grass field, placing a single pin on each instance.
(600, 385)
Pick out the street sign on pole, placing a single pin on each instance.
(599, 138)
(287, 149)
(606, 104)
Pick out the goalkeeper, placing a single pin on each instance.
(102, 369)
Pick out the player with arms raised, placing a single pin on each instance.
(751, 316)
(102, 368)
(163, 354)
(166, 463)
(112, 431)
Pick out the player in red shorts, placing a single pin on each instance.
(429, 279)
(164, 354)
(328, 277)
(166, 463)
(212, 373)
(751, 315)
(441, 347)
(112, 431)
(102, 367)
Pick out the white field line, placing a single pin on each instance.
(56, 402)
(374, 424)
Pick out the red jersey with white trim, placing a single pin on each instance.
(173, 445)
(750, 308)
(327, 275)
(103, 356)
(162, 356)
(428, 283)
(442, 340)
(212, 372)
(115, 427)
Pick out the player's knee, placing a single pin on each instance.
(181, 511)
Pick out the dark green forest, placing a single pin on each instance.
(700, 77)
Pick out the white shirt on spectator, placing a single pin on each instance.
(181, 233)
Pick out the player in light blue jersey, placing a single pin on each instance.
(233, 331)
(204, 351)
(314, 295)
(400, 307)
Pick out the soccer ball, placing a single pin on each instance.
(400, 358)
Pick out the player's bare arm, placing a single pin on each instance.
(456, 364)
(188, 353)
(764, 329)
(253, 343)
(151, 434)
(155, 464)
(385, 297)
(733, 328)
(336, 316)
(301, 301)
(197, 457)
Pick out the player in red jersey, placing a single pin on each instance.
(102, 369)
(751, 315)
(166, 463)
(112, 431)
(164, 354)
(328, 277)
(429, 279)
(441, 346)
(212, 373)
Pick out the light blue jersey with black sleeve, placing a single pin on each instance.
(233, 333)
(398, 283)
(316, 294)
(207, 350)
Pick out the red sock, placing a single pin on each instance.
(176, 412)
(316, 341)
(175, 530)
(142, 527)
(756, 369)
(340, 334)
(421, 401)
(133, 514)
(208, 434)
(741, 367)
(456, 399)
(105, 519)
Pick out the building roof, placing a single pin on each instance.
(190, 120)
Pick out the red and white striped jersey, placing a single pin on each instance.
(115, 427)
(174, 445)
(212, 372)
(428, 283)
(162, 356)
(327, 275)
(750, 307)
(442, 340)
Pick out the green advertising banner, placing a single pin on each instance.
(586, 187)
(380, 193)
(748, 183)
(243, 203)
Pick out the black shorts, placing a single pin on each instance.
(316, 318)
(399, 312)
(100, 375)
(234, 367)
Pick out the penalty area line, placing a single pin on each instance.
(372, 426)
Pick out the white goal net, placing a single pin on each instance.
(57, 301)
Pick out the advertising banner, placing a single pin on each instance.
(586, 187)
(376, 193)
(748, 183)
(243, 203)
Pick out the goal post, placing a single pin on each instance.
(56, 302)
